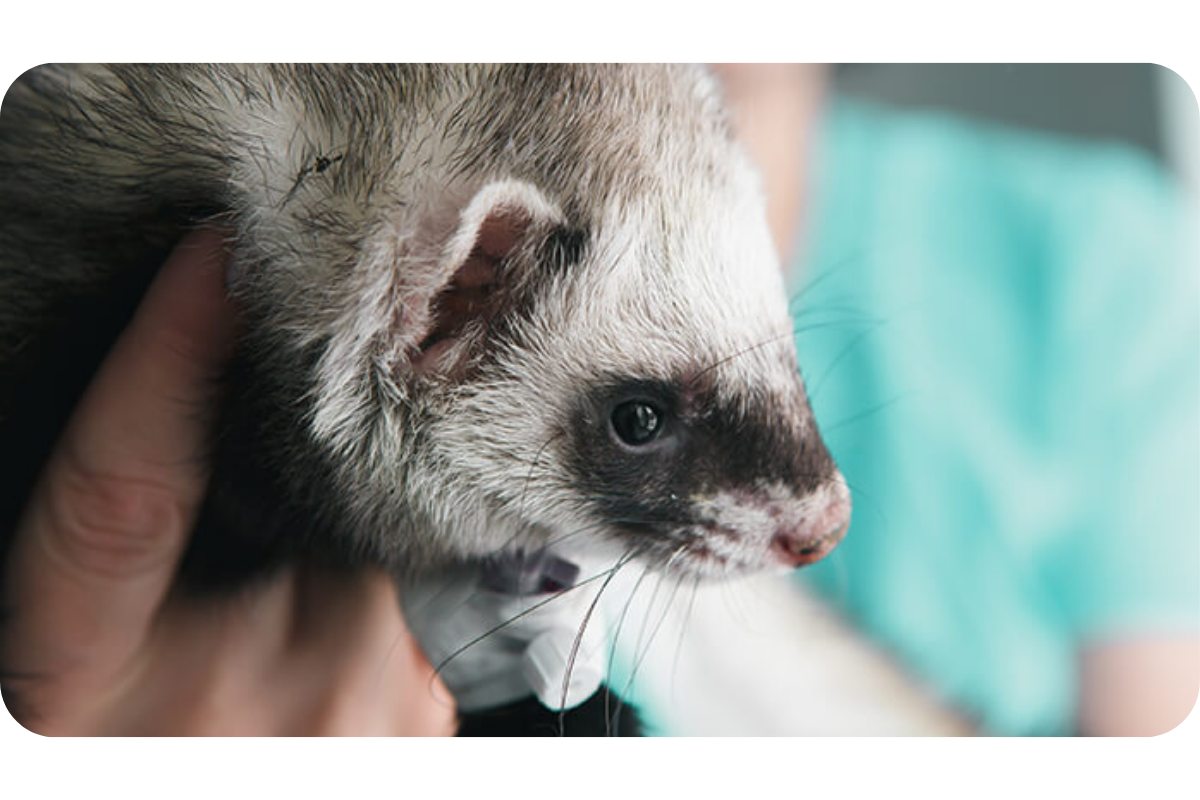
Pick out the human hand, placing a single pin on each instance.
(99, 639)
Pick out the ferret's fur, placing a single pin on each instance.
(448, 276)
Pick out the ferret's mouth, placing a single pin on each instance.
(709, 547)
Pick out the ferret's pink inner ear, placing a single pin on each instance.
(466, 299)
(471, 293)
(501, 232)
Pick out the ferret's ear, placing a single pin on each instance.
(473, 278)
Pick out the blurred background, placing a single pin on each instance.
(762, 659)
(1137, 102)
(1147, 106)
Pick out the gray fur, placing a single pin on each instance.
(355, 194)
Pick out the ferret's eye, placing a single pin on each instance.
(637, 422)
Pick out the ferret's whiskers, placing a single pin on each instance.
(612, 573)
(501, 626)
(606, 575)
(875, 409)
(639, 652)
(680, 640)
(822, 275)
(612, 649)
(744, 351)
(815, 386)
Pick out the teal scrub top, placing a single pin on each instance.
(1000, 334)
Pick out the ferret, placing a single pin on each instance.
(483, 308)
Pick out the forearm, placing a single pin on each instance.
(1137, 687)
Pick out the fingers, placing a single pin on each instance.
(98, 545)
(356, 652)
(313, 651)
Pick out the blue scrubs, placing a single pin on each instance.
(1000, 334)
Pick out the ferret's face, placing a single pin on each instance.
(651, 399)
(588, 347)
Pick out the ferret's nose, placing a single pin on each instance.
(815, 537)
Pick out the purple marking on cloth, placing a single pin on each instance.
(522, 573)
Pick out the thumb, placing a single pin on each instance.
(97, 547)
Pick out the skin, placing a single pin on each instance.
(100, 641)
(1137, 686)
(1130, 684)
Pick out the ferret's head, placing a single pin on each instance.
(565, 319)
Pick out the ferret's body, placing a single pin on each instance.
(482, 307)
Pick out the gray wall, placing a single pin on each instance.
(1121, 101)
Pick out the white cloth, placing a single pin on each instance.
(493, 647)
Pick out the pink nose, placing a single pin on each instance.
(815, 537)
